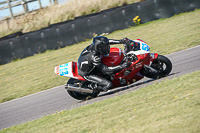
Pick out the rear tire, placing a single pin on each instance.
(78, 95)
(162, 64)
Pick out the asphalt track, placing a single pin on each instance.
(47, 102)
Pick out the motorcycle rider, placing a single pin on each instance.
(89, 62)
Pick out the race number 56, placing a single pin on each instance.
(145, 47)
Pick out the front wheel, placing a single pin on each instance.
(163, 66)
(78, 95)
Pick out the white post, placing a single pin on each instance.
(10, 8)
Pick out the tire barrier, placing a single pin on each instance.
(70, 32)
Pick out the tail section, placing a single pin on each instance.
(69, 69)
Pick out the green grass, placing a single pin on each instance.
(169, 106)
(36, 73)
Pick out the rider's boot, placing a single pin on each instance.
(102, 88)
(94, 86)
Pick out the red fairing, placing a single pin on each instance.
(153, 56)
(141, 40)
(75, 72)
(115, 57)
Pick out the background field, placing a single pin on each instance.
(36, 73)
(57, 13)
(170, 106)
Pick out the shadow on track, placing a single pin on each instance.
(136, 85)
(132, 85)
(126, 87)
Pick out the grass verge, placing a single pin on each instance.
(36, 73)
(170, 106)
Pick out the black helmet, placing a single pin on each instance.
(101, 45)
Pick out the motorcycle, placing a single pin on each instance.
(143, 64)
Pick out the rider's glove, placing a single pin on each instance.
(129, 45)
(126, 65)
(125, 41)
(130, 57)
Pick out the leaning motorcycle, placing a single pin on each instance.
(143, 64)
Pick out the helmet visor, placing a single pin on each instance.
(104, 49)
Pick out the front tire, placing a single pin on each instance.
(78, 95)
(162, 64)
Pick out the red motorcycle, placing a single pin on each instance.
(144, 63)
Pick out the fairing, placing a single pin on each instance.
(116, 56)
(69, 69)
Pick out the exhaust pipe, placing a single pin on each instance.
(78, 89)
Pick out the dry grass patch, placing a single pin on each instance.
(57, 13)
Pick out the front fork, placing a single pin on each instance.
(153, 56)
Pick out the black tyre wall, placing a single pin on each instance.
(70, 32)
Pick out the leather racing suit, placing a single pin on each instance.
(89, 61)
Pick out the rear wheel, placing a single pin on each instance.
(78, 95)
(162, 64)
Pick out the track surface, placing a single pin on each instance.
(47, 102)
